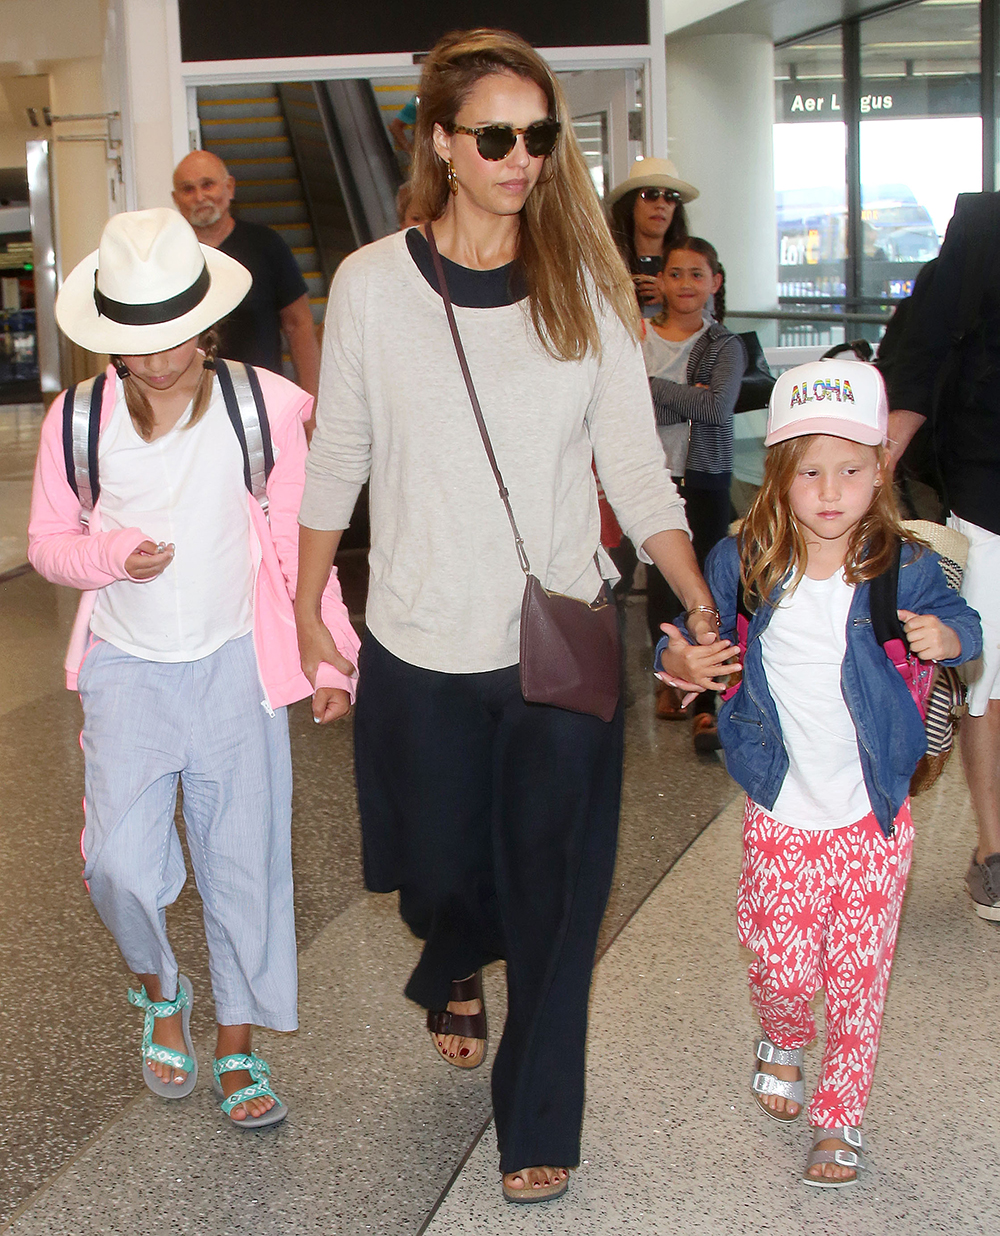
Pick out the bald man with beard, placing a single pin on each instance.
(278, 300)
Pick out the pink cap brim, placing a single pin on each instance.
(868, 435)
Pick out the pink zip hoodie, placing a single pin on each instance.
(65, 551)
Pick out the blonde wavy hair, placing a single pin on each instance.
(771, 544)
(565, 247)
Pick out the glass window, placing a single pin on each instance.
(920, 136)
(592, 134)
(809, 178)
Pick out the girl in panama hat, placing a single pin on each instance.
(183, 649)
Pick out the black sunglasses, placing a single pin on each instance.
(496, 141)
(654, 195)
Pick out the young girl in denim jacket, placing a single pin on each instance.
(184, 647)
(823, 734)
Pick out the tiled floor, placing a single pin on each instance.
(380, 1128)
(378, 1123)
(673, 1142)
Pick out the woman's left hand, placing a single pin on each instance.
(697, 667)
(703, 625)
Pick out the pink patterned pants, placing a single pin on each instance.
(821, 909)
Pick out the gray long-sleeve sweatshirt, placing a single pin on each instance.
(445, 589)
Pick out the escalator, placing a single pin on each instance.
(313, 160)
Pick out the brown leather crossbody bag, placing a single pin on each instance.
(570, 653)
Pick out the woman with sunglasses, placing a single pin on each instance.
(647, 220)
(495, 819)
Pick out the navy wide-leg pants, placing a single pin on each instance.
(497, 821)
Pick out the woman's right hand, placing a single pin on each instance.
(148, 560)
(315, 646)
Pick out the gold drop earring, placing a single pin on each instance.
(452, 178)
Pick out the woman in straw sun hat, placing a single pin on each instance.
(183, 649)
(647, 219)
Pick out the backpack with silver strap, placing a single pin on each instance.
(244, 401)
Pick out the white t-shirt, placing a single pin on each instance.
(803, 649)
(186, 488)
(668, 358)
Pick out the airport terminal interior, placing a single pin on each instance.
(829, 141)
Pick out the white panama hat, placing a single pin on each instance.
(149, 287)
(653, 174)
(843, 398)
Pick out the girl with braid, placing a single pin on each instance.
(695, 367)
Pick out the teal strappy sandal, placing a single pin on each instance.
(259, 1088)
(165, 1055)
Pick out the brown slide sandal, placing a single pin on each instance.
(465, 1025)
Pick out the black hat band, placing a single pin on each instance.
(159, 311)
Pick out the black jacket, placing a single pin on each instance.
(946, 363)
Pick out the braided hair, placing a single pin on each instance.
(139, 407)
(695, 244)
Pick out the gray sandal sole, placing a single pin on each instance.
(170, 1090)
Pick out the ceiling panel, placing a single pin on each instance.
(781, 19)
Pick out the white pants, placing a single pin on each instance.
(981, 588)
(146, 724)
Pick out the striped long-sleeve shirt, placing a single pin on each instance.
(715, 370)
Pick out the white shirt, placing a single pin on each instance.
(185, 488)
(803, 649)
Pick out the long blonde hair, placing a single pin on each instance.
(565, 247)
(771, 544)
(139, 407)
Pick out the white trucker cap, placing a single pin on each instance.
(844, 398)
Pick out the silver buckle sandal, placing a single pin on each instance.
(843, 1158)
(767, 1083)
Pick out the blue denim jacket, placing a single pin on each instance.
(891, 736)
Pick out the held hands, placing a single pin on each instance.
(330, 704)
(149, 560)
(315, 646)
(704, 666)
(929, 637)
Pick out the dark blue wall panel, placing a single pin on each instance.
(255, 29)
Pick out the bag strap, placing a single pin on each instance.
(81, 428)
(522, 557)
(883, 604)
(244, 401)
(240, 386)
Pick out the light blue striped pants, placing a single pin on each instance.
(146, 723)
